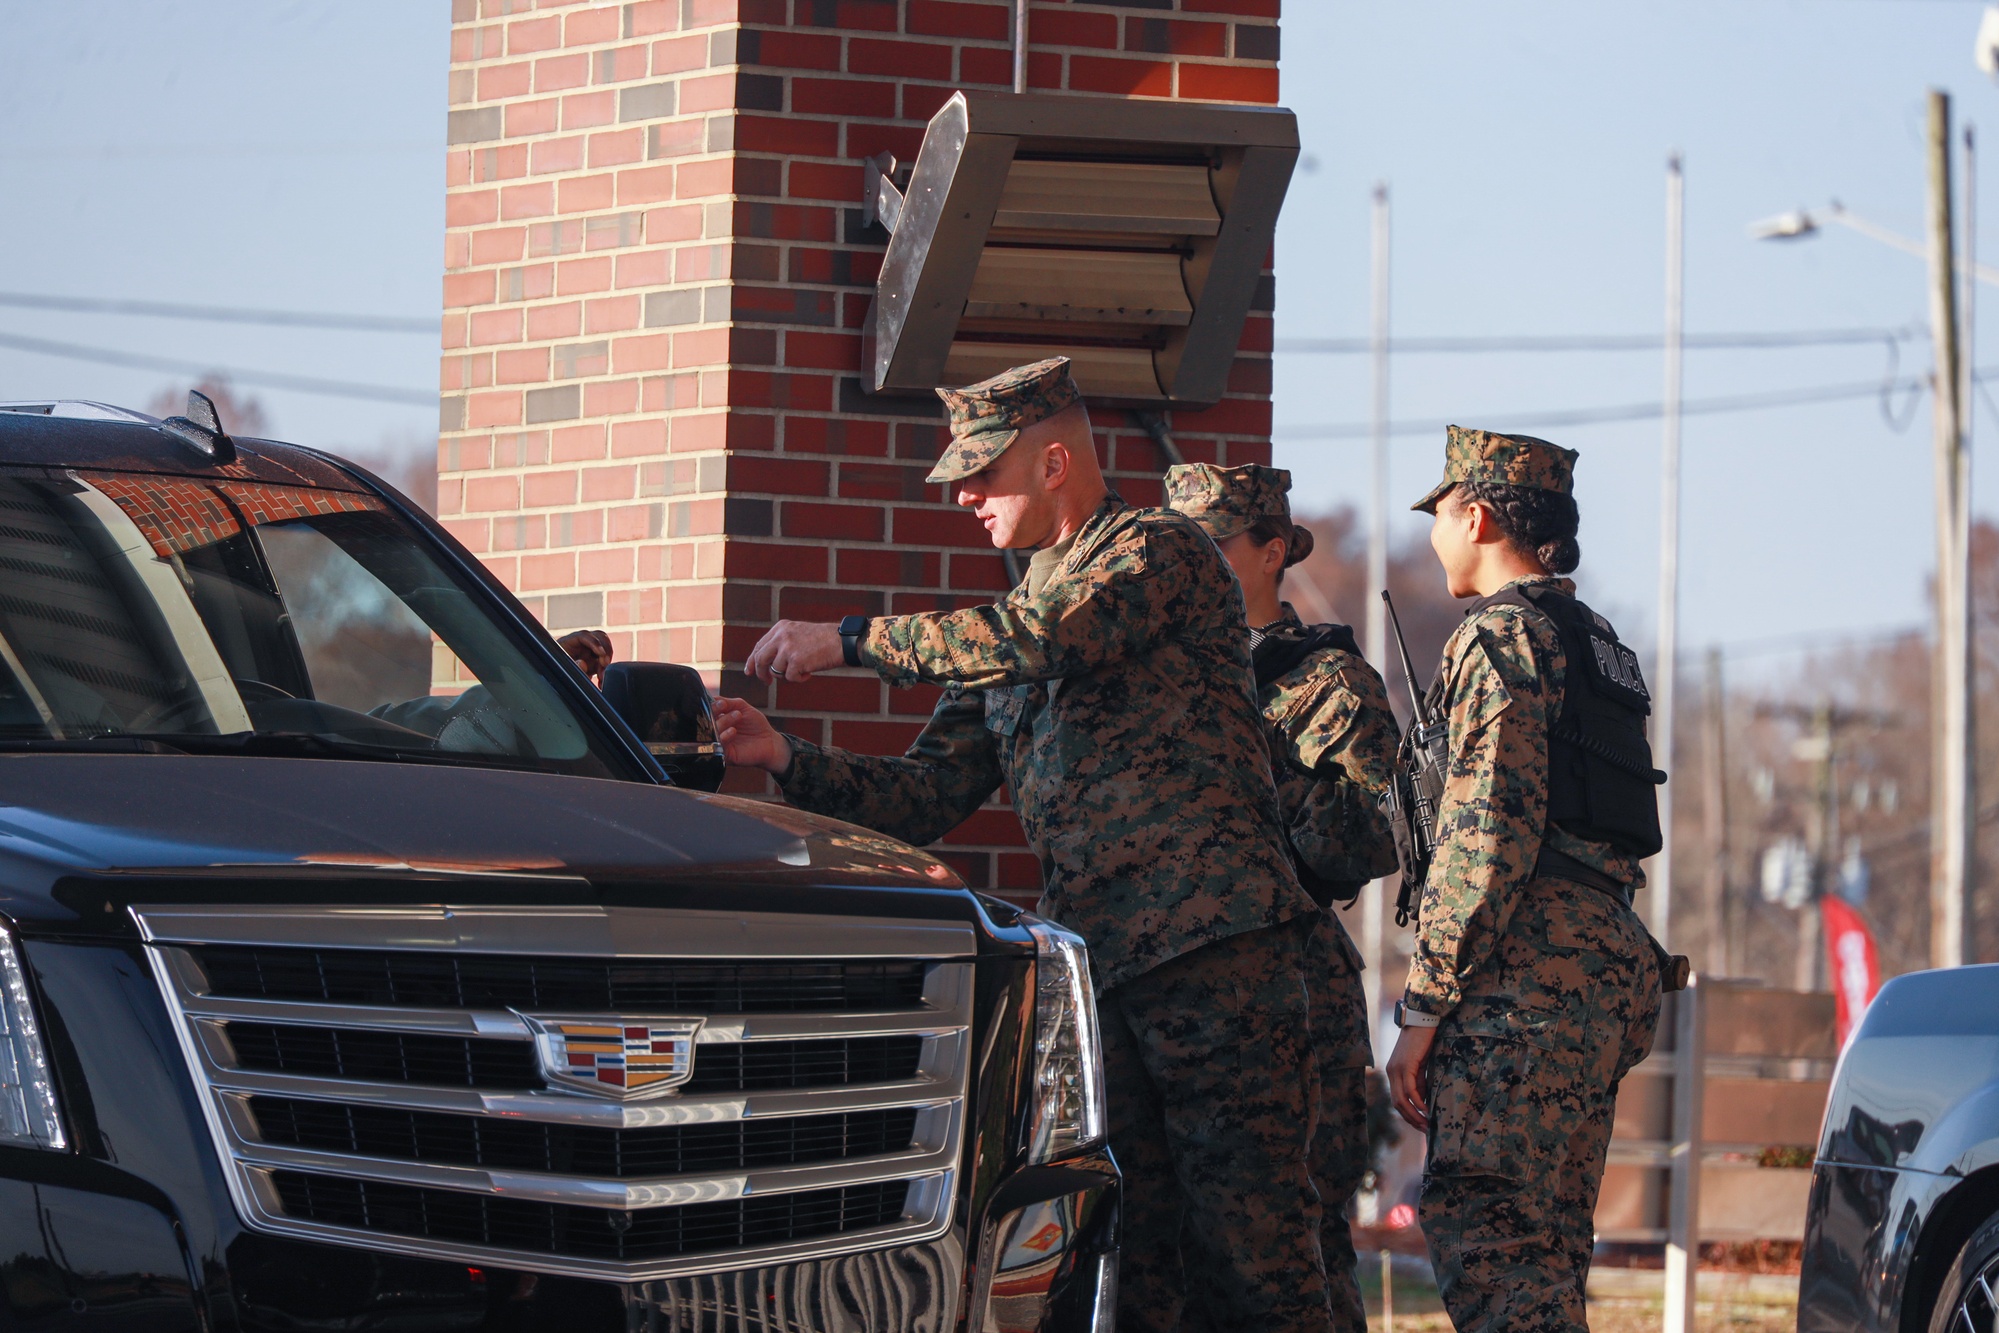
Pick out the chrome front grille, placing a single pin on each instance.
(369, 976)
(589, 1150)
(371, 1078)
(647, 1236)
(474, 1062)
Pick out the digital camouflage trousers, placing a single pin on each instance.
(1523, 1081)
(1339, 1156)
(1212, 1088)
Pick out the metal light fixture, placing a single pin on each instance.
(1129, 236)
(1792, 226)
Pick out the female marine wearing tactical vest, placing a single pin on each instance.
(1533, 986)
(1332, 740)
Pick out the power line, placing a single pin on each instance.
(1595, 342)
(307, 319)
(381, 393)
(358, 147)
(1587, 416)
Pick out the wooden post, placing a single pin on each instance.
(1387, 1294)
(1683, 1242)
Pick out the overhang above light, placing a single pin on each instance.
(1127, 235)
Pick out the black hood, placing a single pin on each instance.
(287, 829)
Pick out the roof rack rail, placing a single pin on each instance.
(82, 408)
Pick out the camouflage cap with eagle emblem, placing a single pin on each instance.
(988, 416)
(1505, 460)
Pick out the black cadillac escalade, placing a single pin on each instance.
(362, 966)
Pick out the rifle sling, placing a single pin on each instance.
(1560, 865)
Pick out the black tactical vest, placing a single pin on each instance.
(1602, 786)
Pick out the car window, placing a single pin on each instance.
(176, 608)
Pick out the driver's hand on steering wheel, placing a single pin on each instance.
(592, 650)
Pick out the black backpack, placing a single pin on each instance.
(1277, 655)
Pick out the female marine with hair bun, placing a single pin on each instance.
(1332, 740)
(1533, 986)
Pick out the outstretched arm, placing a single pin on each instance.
(948, 772)
(1151, 579)
(1117, 605)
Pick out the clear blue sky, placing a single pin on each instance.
(1525, 148)
(230, 153)
(249, 153)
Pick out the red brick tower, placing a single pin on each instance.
(655, 274)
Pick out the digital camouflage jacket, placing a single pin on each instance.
(1500, 686)
(1333, 739)
(1118, 708)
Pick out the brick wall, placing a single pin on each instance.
(655, 274)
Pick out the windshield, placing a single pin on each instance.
(236, 616)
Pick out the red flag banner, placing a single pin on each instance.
(1852, 961)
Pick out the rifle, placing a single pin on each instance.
(1418, 789)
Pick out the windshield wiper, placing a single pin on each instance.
(86, 745)
(259, 744)
(327, 745)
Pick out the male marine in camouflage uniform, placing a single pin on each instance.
(1111, 693)
(1530, 994)
(1333, 740)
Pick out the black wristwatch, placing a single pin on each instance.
(851, 630)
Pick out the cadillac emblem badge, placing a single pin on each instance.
(613, 1055)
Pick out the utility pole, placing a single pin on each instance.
(1967, 660)
(1714, 781)
(1820, 745)
(1825, 837)
(1951, 765)
(1377, 516)
(1374, 912)
(1659, 874)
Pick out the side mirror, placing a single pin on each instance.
(667, 706)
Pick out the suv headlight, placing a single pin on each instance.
(1068, 1084)
(28, 1114)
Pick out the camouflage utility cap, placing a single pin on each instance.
(1506, 460)
(988, 416)
(1228, 500)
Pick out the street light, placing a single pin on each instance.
(1792, 226)
(1800, 224)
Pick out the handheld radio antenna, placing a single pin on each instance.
(1408, 672)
